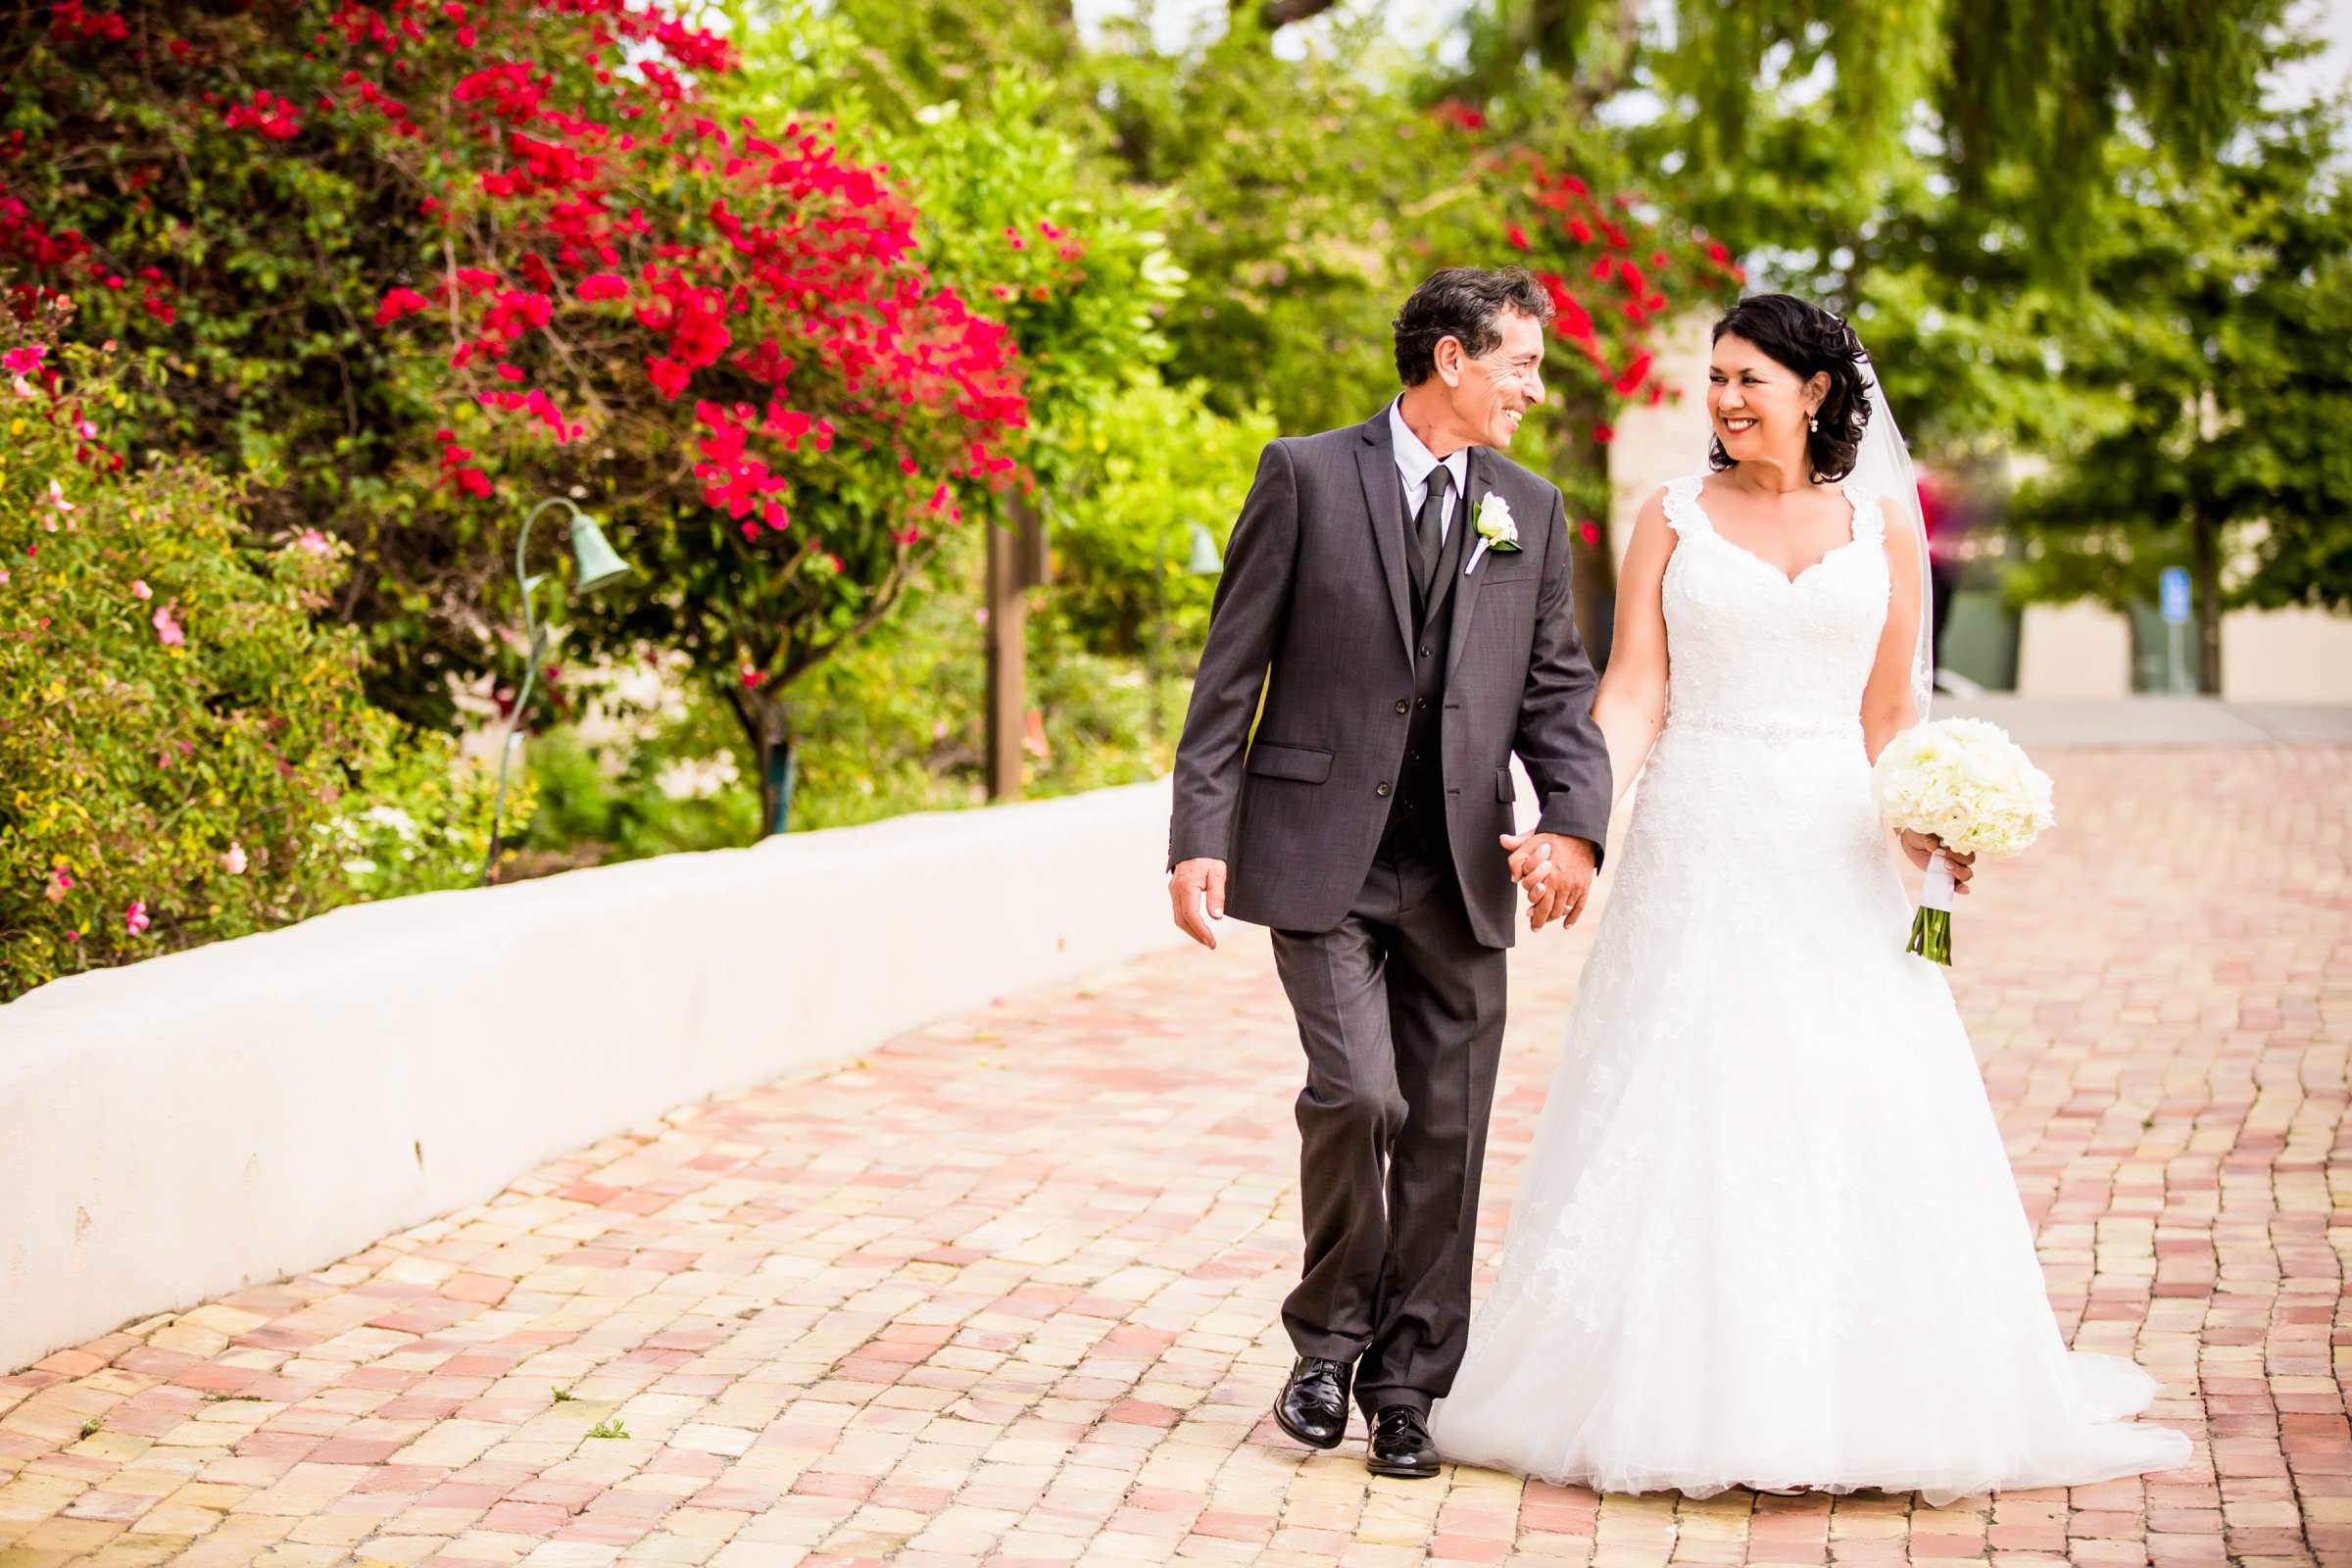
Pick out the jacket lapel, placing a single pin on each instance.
(1465, 604)
(1384, 504)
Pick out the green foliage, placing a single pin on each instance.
(1077, 270)
(677, 779)
(187, 753)
(2208, 359)
(266, 270)
(1803, 110)
(896, 724)
(1162, 463)
(1310, 196)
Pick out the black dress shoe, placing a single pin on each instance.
(1312, 1406)
(1400, 1445)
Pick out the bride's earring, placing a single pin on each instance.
(1813, 422)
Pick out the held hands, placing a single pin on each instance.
(1922, 848)
(1557, 872)
(1194, 885)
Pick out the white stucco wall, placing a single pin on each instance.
(177, 1129)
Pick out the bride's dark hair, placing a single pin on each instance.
(1807, 339)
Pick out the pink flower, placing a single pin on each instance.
(23, 360)
(234, 863)
(167, 630)
(85, 429)
(25, 388)
(135, 918)
(140, 590)
(3, 576)
(57, 496)
(61, 883)
(310, 542)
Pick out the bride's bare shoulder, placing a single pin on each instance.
(1653, 537)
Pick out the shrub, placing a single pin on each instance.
(188, 754)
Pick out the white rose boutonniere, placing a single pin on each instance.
(1494, 528)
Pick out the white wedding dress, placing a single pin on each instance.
(1767, 1235)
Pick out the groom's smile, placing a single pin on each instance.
(1501, 384)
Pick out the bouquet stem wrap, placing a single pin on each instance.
(1932, 926)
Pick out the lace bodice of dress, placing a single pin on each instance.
(1752, 650)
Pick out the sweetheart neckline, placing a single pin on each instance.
(1853, 537)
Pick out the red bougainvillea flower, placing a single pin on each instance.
(23, 360)
(135, 918)
(274, 117)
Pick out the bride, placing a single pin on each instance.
(1768, 1236)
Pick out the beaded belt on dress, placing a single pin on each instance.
(1777, 729)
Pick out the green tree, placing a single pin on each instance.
(1827, 102)
(2207, 354)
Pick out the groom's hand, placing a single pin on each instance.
(1193, 884)
(1556, 872)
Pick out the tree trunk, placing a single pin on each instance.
(1008, 639)
(2205, 571)
(1594, 583)
(767, 725)
(1277, 13)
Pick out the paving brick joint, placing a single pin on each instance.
(1005, 1291)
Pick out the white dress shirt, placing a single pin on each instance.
(1413, 462)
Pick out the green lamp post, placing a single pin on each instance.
(597, 565)
(1202, 562)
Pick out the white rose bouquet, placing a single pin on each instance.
(1967, 784)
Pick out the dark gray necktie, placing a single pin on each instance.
(1429, 529)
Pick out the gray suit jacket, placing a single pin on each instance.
(1314, 610)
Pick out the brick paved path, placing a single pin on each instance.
(1005, 1292)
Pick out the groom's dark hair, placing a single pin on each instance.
(1461, 302)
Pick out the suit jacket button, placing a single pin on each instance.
(1380, 788)
(1424, 653)
(1402, 705)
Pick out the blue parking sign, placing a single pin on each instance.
(2173, 595)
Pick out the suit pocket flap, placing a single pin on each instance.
(1505, 787)
(1303, 763)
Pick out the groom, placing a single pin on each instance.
(1398, 592)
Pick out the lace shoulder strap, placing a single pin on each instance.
(1682, 506)
(1870, 518)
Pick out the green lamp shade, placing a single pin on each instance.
(1204, 561)
(598, 562)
